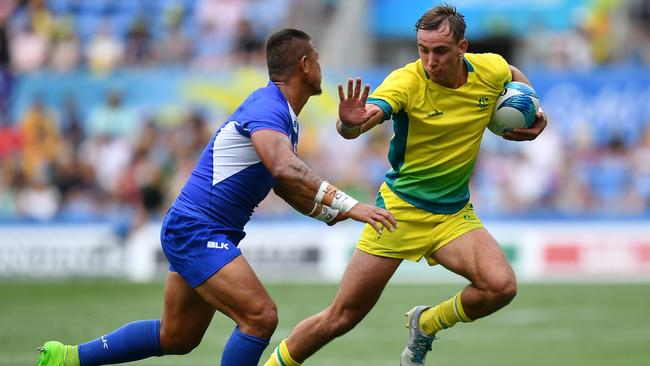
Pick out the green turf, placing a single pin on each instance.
(576, 324)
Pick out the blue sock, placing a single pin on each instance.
(131, 342)
(243, 349)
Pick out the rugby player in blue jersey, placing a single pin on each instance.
(251, 153)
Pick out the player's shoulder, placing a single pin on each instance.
(268, 99)
(269, 96)
(486, 61)
(492, 68)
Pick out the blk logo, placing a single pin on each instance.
(217, 245)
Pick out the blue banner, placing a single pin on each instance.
(396, 18)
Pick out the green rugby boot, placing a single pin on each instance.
(55, 353)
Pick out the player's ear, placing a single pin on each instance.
(462, 47)
(303, 64)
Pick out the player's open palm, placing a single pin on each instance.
(352, 107)
(375, 216)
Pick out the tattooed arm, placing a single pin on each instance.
(290, 173)
(301, 187)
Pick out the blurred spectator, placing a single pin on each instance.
(218, 20)
(108, 157)
(66, 50)
(41, 143)
(71, 124)
(113, 119)
(175, 48)
(105, 52)
(213, 49)
(249, 48)
(6, 77)
(9, 183)
(222, 14)
(639, 44)
(267, 16)
(641, 169)
(139, 47)
(610, 179)
(29, 50)
(37, 200)
(41, 18)
(10, 139)
(74, 180)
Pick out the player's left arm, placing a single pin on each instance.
(526, 134)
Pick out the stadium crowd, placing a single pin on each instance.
(117, 162)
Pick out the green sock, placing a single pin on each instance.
(71, 356)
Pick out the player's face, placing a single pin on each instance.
(315, 76)
(441, 55)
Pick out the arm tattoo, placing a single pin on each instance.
(302, 177)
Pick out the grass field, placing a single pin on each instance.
(551, 324)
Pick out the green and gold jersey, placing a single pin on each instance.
(437, 130)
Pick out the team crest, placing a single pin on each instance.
(483, 103)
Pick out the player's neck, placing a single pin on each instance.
(295, 95)
(459, 78)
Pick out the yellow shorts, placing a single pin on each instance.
(419, 233)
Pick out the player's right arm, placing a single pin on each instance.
(355, 115)
(293, 175)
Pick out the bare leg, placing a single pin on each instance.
(237, 292)
(234, 291)
(185, 318)
(479, 258)
(362, 284)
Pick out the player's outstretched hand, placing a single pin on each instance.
(352, 108)
(528, 134)
(375, 216)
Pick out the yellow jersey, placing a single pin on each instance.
(437, 130)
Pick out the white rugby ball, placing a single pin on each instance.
(514, 108)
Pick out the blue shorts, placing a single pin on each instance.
(196, 249)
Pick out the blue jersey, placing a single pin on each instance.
(229, 179)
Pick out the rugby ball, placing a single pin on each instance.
(515, 107)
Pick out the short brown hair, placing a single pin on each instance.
(283, 51)
(435, 17)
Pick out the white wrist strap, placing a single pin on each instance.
(343, 202)
(327, 214)
(321, 191)
(340, 201)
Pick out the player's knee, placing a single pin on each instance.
(502, 289)
(261, 319)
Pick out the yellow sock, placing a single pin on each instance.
(444, 315)
(281, 356)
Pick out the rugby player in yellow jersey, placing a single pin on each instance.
(440, 106)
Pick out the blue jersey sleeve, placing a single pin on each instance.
(262, 114)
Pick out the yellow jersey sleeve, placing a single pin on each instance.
(396, 90)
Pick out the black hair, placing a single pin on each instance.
(284, 49)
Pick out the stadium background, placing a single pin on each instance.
(105, 105)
